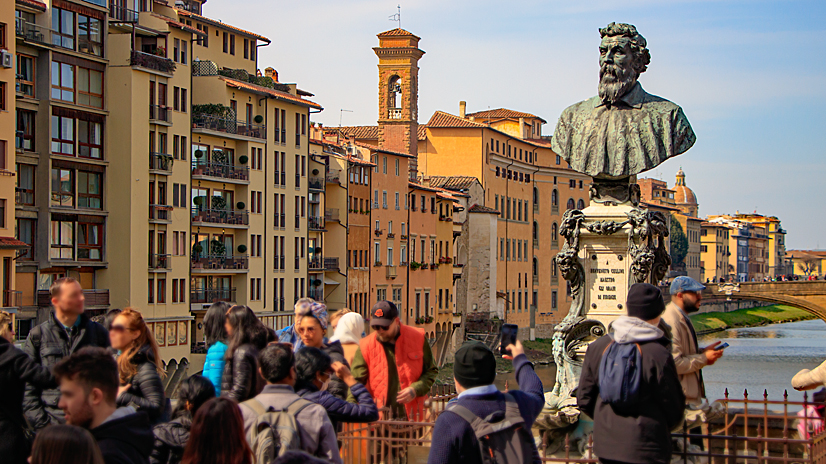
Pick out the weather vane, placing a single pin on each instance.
(397, 17)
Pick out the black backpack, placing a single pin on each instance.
(502, 437)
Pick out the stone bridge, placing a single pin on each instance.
(807, 295)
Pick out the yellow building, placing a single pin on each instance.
(776, 250)
(714, 251)
(807, 263)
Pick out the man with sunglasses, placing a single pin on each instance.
(395, 363)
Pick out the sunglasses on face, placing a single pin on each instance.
(119, 328)
(380, 328)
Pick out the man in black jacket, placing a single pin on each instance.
(88, 389)
(643, 435)
(67, 330)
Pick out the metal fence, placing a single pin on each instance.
(747, 430)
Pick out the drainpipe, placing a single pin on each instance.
(507, 242)
(533, 307)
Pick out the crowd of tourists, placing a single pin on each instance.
(83, 391)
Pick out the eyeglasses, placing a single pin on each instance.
(381, 328)
(119, 328)
(307, 329)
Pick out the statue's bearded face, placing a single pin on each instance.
(617, 73)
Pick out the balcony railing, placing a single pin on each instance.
(333, 177)
(32, 32)
(160, 261)
(331, 214)
(230, 126)
(12, 298)
(316, 183)
(315, 223)
(159, 113)
(204, 68)
(240, 262)
(24, 196)
(224, 171)
(220, 216)
(394, 113)
(160, 162)
(331, 264)
(317, 294)
(92, 297)
(316, 264)
(153, 62)
(121, 14)
(212, 295)
(160, 212)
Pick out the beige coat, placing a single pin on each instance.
(687, 356)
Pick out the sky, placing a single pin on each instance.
(749, 75)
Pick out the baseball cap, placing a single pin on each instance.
(685, 284)
(383, 313)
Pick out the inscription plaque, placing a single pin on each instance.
(606, 281)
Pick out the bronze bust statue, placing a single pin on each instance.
(624, 130)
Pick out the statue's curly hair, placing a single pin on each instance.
(638, 43)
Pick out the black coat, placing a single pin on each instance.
(127, 440)
(47, 344)
(642, 436)
(241, 380)
(170, 440)
(337, 386)
(146, 391)
(16, 369)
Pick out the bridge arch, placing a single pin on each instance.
(809, 296)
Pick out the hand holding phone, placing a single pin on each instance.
(723, 346)
(507, 337)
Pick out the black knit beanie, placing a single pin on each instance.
(474, 365)
(645, 302)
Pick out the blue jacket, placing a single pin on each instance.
(214, 365)
(453, 438)
(341, 411)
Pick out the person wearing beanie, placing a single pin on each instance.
(474, 370)
(690, 359)
(641, 435)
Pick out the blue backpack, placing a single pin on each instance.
(620, 374)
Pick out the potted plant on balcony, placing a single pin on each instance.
(434, 266)
(316, 282)
(240, 205)
(377, 264)
(196, 255)
(378, 232)
(415, 266)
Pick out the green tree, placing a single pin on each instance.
(679, 241)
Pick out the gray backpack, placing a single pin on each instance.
(502, 437)
(275, 431)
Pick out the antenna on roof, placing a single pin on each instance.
(397, 17)
(341, 113)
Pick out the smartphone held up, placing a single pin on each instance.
(507, 337)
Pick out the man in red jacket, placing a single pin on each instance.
(395, 363)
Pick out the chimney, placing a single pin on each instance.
(462, 109)
(271, 73)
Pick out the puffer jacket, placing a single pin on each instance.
(146, 392)
(337, 386)
(170, 440)
(339, 410)
(241, 380)
(214, 365)
(47, 344)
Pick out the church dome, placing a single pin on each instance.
(682, 194)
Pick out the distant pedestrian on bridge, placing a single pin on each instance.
(686, 296)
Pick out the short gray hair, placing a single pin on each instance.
(638, 43)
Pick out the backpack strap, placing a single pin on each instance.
(297, 406)
(512, 413)
(256, 406)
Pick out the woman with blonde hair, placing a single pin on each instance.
(65, 444)
(139, 365)
(349, 332)
(336, 316)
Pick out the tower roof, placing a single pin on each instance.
(683, 194)
(398, 32)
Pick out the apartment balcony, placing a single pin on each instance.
(390, 272)
(316, 264)
(334, 177)
(317, 294)
(331, 214)
(316, 183)
(31, 32)
(220, 218)
(226, 172)
(331, 264)
(23, 197)
(93, 298)
(160, 262)
(315, 223)
(211, 123)
(12, 298)
(212, 295)
(160, 214)
(160, 114)
(160, 163)
(152, 62)
(203, 263)
(121, 14)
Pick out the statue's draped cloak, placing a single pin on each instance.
(631, 136)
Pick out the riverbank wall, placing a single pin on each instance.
(708, 322)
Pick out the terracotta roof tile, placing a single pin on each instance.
(421, 133)
(358, 132)
(11, 243)
(397, 32)
(503, 113)
(220, 24)
(442, 119)
(545, 142)
(383, 150)
(33, 3)
(272, 92)
(482, 209)
(179, 25)
(452, 182)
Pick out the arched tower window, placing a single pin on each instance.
(571, 204)
(535, 267)
(554, 231)
(394, 98)
(580, 204)
(535, 231)
(535, 196)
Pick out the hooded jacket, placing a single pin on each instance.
(340, 410)
(16, 370)
(125, 440)
(170, 440)
(47, 344)
(644, 435)
(146, 392)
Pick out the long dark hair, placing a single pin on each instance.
(309, 361)
(65, 444)
(214, 319)
(246, 328)
(196, 390)
(217, 435)
(126, 369)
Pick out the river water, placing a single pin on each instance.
(759, 358)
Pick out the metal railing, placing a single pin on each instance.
(315, 223)
(331, 264)
(224, 171)
(121, 14)
(331, 214)
(230, 126)
(160, 162)
(153, 62)
(93, 297)
(204, 68)
(160, 212)
(317, 294)
(212, 295)
(220, 216)
(12, 298)
(316, 183)
(160, 113)
(33, 32)
(157, 261)
(207, 262)
(316, 264)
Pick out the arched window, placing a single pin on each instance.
(555, 198)
(535, 196)
(554, 231)
(535, 231)
(580, 204)
(535, 267)
(571, 204)
(394, 98)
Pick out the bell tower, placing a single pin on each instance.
(399, 54)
